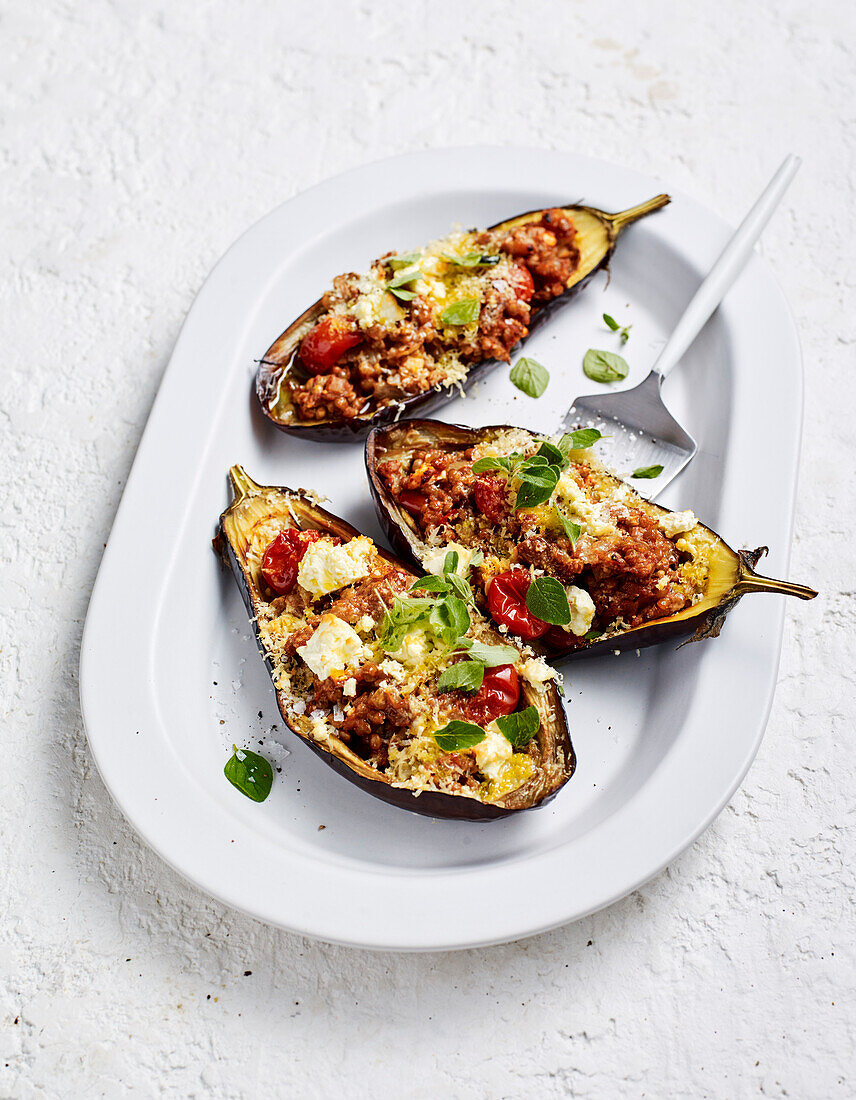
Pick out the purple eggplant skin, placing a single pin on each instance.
(295, 507)
(598, 233)
(732, 573)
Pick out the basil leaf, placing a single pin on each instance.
(471, 259)
(610, 322)
(459, 585)
(579, 440)
(647, 471)
(530, 377)
(571, 529)
(459, 735)
(403, 278)
(461, 312)
(476, 559)
(604, 366)
(450, 562)
(400, 619)
(402, 294)
(450, 619)
(537, 485)
(465, 675)
(403, 260)
(548, 601)
(250, 773)
(430, 584)
(482, 465)
(552, 454)
(520, 727)
(493, 655)
(532, 493)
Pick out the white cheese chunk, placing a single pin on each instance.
(326, 566)
(537, 672)
(433, 561)
(349, 688)
(492, 753)
(393, 669)
(582, 610)
(677, 523)
(334, 647)
(413, 649)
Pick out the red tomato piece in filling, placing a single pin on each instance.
(498, 695)
(324, 345)
(522, 282)
(506, 601)
(283, 557)
(413, 502)
(491, 496)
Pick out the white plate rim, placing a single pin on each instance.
(411, 914)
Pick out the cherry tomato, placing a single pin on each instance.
(325, 345)
(521, 281)
(506, 601)
(413, 502)
(491, 493)
(283, 556)
(498, 695)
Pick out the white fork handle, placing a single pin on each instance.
(726, 269)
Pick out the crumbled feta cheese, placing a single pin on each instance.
(349, 687)
(299, 706)
(537, 672)
(677, 523)
(493, 752)
(582, 610)
(333, 647)
(365, 624)
(594, 518)
(327, 567)
(393, 669)
(433, 560)
(413, 649)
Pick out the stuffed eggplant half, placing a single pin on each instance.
(395, 680)
(569, 557)
(403, 335)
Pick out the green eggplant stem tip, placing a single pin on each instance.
(754, 582)
(242, 484)
(625, 217)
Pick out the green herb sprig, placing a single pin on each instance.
(622, 330)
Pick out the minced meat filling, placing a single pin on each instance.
(382, 701)
(630, 568)
(393, 341)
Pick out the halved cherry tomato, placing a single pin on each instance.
(413, 502)
(283, 556)
(325, 345)
(498, 695)
(521, 280)
(491, 493)
(506, 601)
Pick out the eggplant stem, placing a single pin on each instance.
(242, 484)
(754, 582)
(626, 217)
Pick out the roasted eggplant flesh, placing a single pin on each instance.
(540, 510)
(358, 660)
(418, 326)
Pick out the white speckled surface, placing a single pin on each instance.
(138, 140)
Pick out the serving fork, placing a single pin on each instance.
(644, 433)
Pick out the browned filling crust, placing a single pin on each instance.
(405, 347)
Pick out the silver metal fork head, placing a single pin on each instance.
(642, 433)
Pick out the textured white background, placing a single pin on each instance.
(138, 140)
